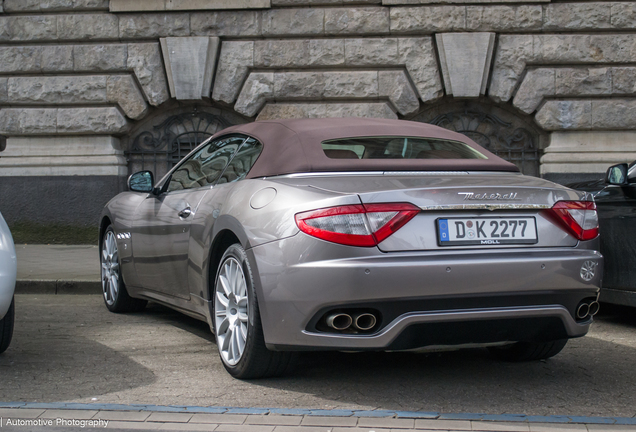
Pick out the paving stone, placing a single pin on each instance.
(186, 427)
(500, 426)
(153, 25)
(243, 428)
(455, 425)
(129, 416)
(282, 22)
(125, 425)
(218, 418)
(222, 23)
(355, 20)
(169, 417)
(21, 413)
(329, 421)
(68, 414)
(551, 427)
(393, 423)
(87, 27)
(273, 420)
(303, 429)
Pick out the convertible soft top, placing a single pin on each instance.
(295, 146)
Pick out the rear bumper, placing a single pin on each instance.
(424, 298)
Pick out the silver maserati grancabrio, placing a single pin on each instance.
(354, 234)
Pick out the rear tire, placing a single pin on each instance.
(6, 327)
(237, 322)
(528, 351)
(114, 290)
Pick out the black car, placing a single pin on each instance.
(616, 203)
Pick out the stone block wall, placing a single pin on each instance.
(87, 73)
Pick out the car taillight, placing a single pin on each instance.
(356, 225)
(579, 218)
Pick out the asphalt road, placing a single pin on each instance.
(69, 348)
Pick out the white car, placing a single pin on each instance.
(8, 272)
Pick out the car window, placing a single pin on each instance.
(242, 162)
(398, 148)
(206, 165)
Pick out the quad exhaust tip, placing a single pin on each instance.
(343, 321)
(585, 309)
(365, 321)
(339, 321)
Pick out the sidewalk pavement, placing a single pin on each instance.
(223, 419)
(58, 269)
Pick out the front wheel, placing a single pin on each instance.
(115, 293)
(6, 327)
(237, 321)
(528, 351)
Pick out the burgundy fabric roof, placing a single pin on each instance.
(294, 146)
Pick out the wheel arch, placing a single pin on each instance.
(103, 224)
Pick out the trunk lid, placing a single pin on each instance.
(464, 200)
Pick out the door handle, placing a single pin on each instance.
(186, 212)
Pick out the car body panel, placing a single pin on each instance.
(408, 276)
(8, 267)
(616, 206)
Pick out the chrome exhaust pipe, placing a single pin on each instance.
(593, 308)
(339, 321)
(582, 311)
(365, 321)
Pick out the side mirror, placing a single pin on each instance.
(617, 175)
(141, 181)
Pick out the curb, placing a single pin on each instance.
(58, 287)
(520, 418)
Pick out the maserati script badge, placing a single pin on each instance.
(512, 196)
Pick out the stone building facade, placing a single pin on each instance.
(91, 90)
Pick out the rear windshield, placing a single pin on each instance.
(398, 148)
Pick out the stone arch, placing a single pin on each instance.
(163, 139)
(512, 136)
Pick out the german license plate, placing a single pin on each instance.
(486, 231)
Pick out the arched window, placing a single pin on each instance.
(159, 143)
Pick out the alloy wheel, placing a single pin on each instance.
(110, 269)
(231, 311)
